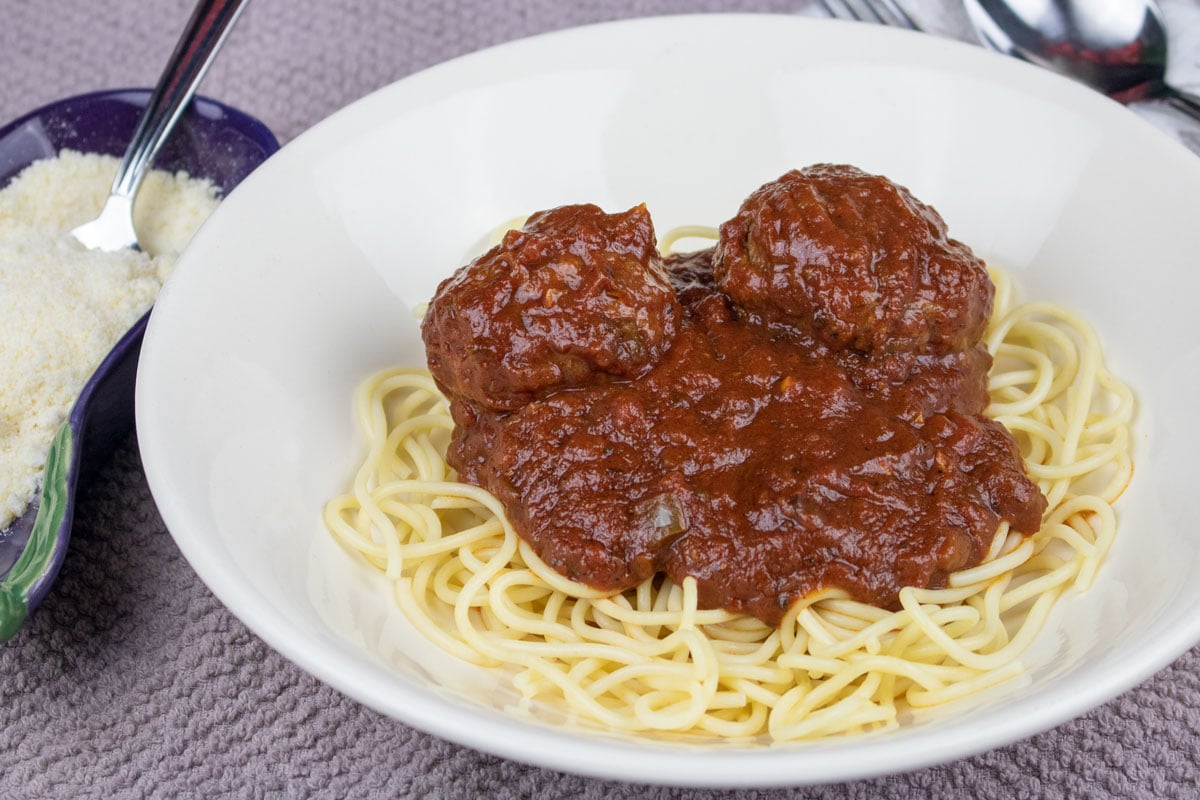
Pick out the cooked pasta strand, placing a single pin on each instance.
(651, 659)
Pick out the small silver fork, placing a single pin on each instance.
(882, 12)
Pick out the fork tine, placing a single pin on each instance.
(838, 10)
(901, 17)
(881, 12)
(851, 10)
(872, 14)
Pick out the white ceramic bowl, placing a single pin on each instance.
(303, 283)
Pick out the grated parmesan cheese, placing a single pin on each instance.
(64, 307)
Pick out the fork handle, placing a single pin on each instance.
(1184, 102)
(199, 43)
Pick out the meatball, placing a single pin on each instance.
(574, 298)
(857, 261)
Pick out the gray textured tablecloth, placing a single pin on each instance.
(132, 680)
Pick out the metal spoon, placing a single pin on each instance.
(201, 39)
(1116, 46)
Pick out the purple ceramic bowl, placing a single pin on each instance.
(210, 141)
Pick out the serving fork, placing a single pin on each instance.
(1123, 57)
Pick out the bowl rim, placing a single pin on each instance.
(139, 96)
(598, 757)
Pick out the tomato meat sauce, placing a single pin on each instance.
(797, 409)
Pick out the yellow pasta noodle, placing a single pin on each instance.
(649, 659)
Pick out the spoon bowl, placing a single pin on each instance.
(1118, 47)
(212, 141)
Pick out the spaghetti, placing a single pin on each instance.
(650, 660)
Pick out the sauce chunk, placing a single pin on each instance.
(797, 409)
